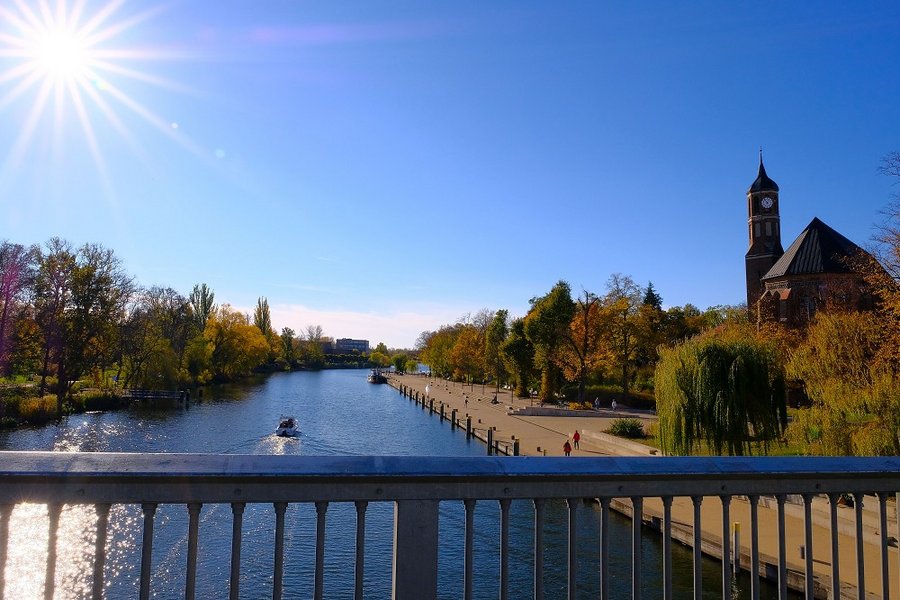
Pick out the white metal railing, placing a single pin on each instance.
(417, 485)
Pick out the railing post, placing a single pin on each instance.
(237, 510)
(637, 521)
(469, 551)
(726, 546)
(538, 549)
(99, 551)
(490, 440)
(53, 512)
(5, 512)
(698, 548)
(754, 546)
(572, 584)
(278, 569)
(504, 548)
(149, 509)
(415, 549)
(782, 548)
(860, 554)
(190, 580)
(321, 508)
(667, 547)
(359, 571)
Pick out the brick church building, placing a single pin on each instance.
(815, 272)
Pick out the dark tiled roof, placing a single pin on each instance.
(818, 249)
(763, 183)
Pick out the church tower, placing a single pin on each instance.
(764, 231)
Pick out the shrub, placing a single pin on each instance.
(38, 410)
(627, 428)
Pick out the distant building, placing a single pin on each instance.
(346, 346)
(816, 271)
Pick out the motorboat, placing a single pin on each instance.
(287, 427)
(376, 376)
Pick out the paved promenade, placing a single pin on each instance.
(540, 435)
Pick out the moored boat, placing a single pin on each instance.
(376, 376)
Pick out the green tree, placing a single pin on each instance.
(203, 305)
(518, 352)
(100, 292)
(399, 362)
(287, 344)
(496, 335)
(547, 326)
(726, 393)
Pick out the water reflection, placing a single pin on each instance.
(339, 414)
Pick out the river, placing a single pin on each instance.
(340, 414)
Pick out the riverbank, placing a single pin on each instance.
(545, 435)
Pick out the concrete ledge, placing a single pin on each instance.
(617, 445)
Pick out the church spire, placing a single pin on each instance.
(763, 183)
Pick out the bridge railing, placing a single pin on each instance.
(417, 485)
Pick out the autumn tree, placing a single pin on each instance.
(467, 354)
(236, 346)
(623, 298)
(435, 348)
(547, 327)
(728, 394)
(17, 266)
(583, 349)
(855, 396)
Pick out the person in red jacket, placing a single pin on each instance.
(576, 438)
(567, 448)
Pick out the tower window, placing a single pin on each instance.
(756, 229)
(768, 228)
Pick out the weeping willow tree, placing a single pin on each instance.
(729, 394)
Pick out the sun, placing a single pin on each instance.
(62, 55)
(60, 65)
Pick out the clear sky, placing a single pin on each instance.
(383, 168)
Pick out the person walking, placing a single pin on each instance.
(567, 448)
(576, 438)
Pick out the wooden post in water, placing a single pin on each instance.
(490, 440)
(442, 412)
(468, 426)
(453, 419)
(515, 447)
(430, 406)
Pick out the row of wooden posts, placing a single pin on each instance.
(493, 445)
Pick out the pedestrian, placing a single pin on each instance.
(467, 402)
(576, 438)
(597, 403)
(614, 404)
(567, 448)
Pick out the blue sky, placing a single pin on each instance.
(381, 169)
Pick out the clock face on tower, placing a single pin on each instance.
(767, 202)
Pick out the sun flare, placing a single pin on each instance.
(60, 66)
(62, 55)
